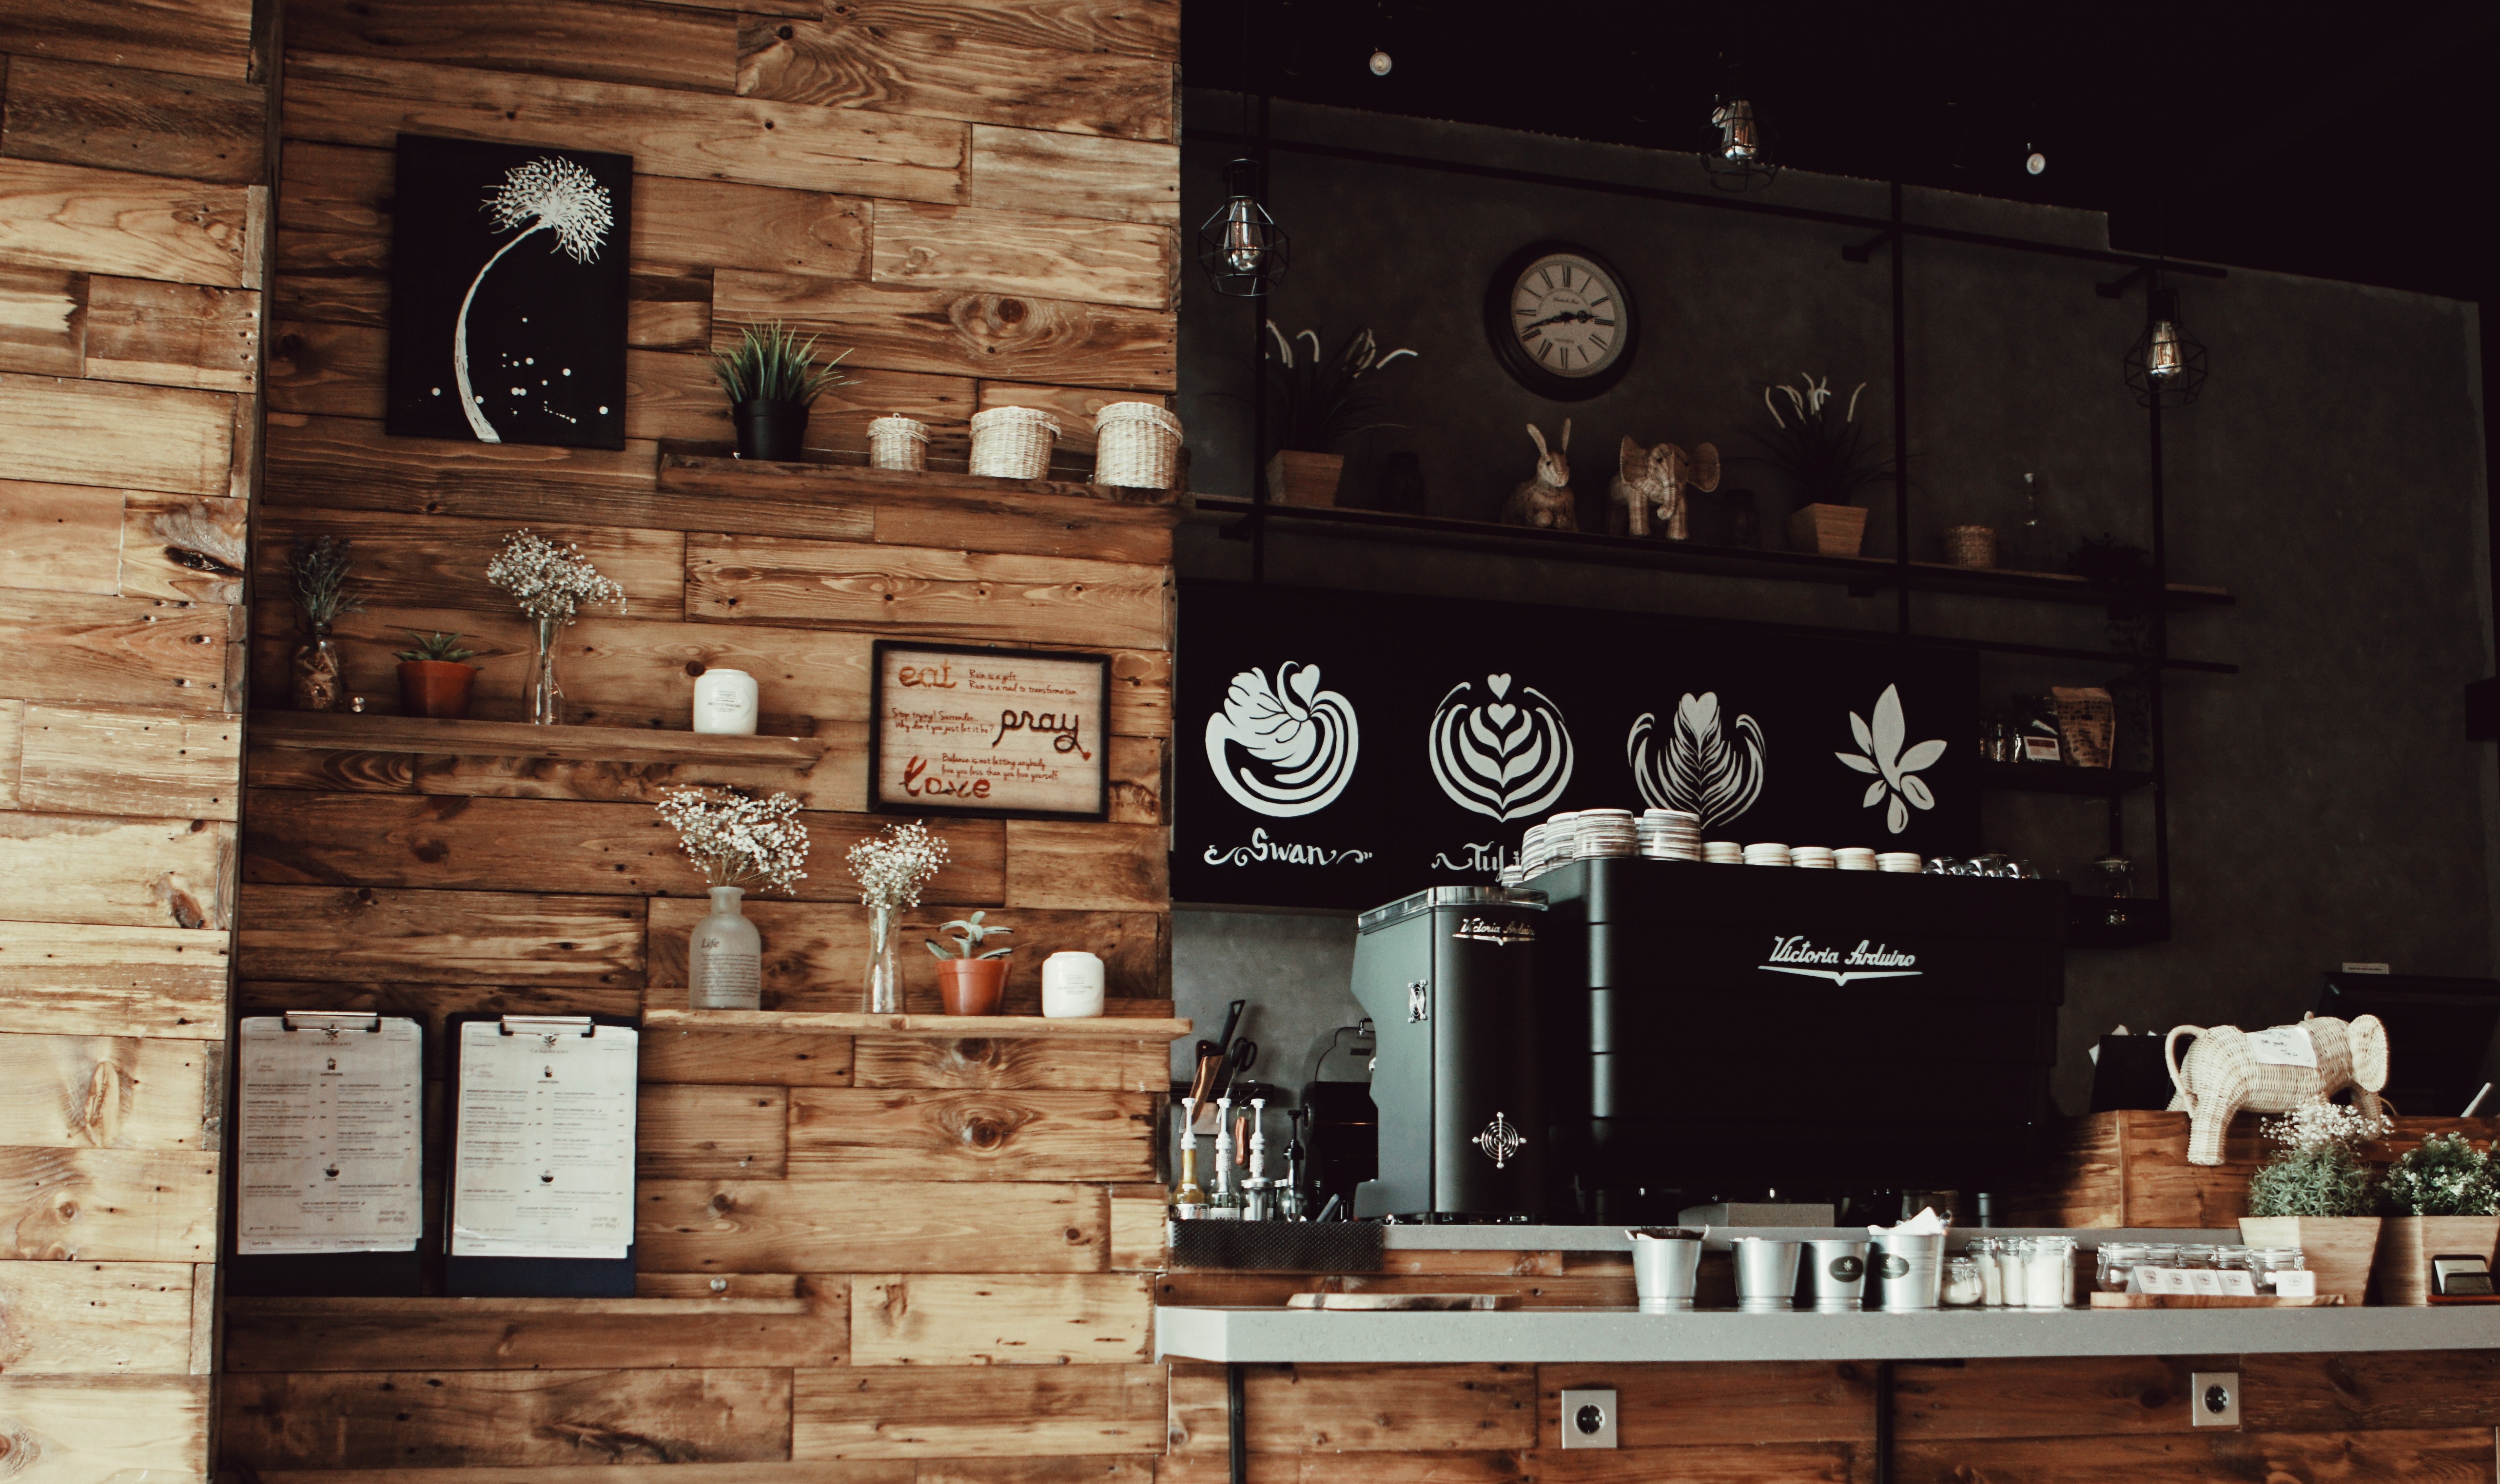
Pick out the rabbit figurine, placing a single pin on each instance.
(1545, 503)
(1656, 478)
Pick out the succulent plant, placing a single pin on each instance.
(441, 647)
(965, 936)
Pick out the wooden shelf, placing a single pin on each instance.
(817, 479)
(948, 1027)
(1864, 574)
(2058, 778)
(349, 731)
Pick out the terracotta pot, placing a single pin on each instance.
(436, 688)
(2408, 1243)
(1828, 531)
(972, 987)
(1297, 478)
(2337, 1248)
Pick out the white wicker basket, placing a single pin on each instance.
(1013, 442)
(898, 442)
(1136, 444)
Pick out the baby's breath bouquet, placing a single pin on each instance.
(2319, 1171)
(892, 867)
(2445, 1176)
(551, 584)
(739, 837)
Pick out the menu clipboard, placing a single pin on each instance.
(329, 1148)
(539, 1184)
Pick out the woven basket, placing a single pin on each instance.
(1970, 545)
(898, 442)
(1135, 443)
(1013, 442)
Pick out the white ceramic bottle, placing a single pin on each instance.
(725, 704)
(1071, 986)
(724, 957)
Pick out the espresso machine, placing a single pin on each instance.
(1449, 979)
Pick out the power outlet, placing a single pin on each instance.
(2214, 1399)
(1589, 1418)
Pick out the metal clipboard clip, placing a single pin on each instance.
(330, 1023)
(548, 1026)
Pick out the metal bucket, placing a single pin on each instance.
(1665, 1263)
(1836, 1272)
(1908, 1272)
(1766, 1274)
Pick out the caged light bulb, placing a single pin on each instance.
(2162, 357)
(1245, 236)
(1740, 137)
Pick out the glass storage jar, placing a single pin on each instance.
(1991, 1278)
(1963, 1286)
(2012, 1253)
(2049, 1273)
(2113, 1263)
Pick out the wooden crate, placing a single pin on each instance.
(2130, 1169)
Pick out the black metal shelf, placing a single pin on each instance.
(2057, 777)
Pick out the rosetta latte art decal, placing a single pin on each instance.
(1699, 769)
(1500, 757)
(1285, 749)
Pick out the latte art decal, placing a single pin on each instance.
(1698, 768)
(1499, 756)
(1285, 749)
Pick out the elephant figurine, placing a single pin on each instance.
(2223, 1075)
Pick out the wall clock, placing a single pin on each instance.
(1561, 320)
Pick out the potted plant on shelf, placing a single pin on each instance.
(771, 379)
(551, 584)
(969, 982)
(1321, 400)
(737, 837)
(2441, 1200)
(2315, 1193)
(892, 867)
(432, 680)
(1825, 452)
(320, 570)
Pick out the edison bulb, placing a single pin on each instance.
(2162, 357)
(1380, 64)
(2037, 163)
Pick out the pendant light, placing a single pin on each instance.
(2164, 367)
(1241, 248)
(1736, 149)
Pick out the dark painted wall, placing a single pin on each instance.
(2324, 806)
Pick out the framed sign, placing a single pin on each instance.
(993, 732)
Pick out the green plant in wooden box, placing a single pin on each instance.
(433, 678)
(321, 571)
(2442, 1201)
(2315, 1193)
(772, 379)
(1321, 399)
(970, 981)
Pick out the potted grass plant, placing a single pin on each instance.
(970, 981)
(2315, 1192)
(433, 679)
(772, 379)
(322, 571)
(2442, 1201)
(1828, 458)
(1321, 399)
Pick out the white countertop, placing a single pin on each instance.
(1617, 1336)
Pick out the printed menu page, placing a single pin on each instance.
(331, 1142)
(542, 1165)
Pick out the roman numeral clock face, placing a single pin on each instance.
(1562, 321)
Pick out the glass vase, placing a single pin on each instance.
(724, 957)
(316, 679)
(885, 960)
(546, 692)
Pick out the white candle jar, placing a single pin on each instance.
(1071, 986)
(725, 705)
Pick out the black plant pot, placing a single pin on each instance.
(770, 430)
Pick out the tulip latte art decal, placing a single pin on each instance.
(1699, 768)
(1500, 757)
(1282, 748)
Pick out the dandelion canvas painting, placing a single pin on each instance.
(507, 293)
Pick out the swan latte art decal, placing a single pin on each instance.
(1502, 756)
(1283, 748)
(1699, 769)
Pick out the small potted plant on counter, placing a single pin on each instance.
(771, 380)
(970, 982)
(2441, 1200)
(433, 679)
(1817, 440)
(2315, 1193)
(1322, 400)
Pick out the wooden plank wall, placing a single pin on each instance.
(134, 227)
(899, 1254)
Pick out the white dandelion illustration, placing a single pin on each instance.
(551, 194)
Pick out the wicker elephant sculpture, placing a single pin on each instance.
(2223, 1073)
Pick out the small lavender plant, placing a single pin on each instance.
(2319, 1171)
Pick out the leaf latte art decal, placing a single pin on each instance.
(1502, 758)
(1284, 749)
(1699, 769)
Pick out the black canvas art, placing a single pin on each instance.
(507, 293)
(1340, 750)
